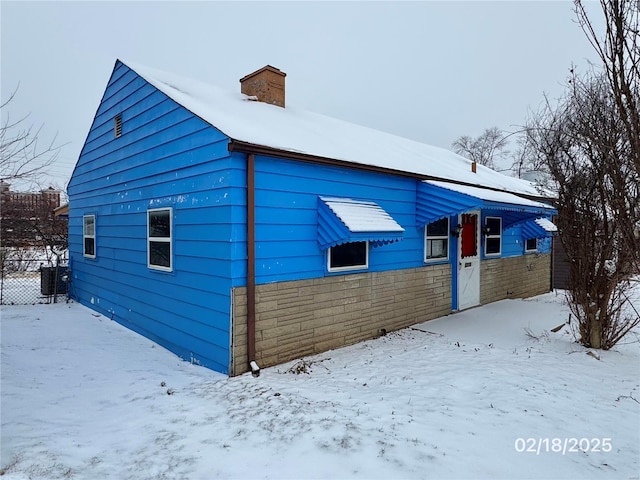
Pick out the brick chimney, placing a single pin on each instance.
(267, 84)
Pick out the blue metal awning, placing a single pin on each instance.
(436, 200)
(538, 228)
(343, 220)
(435, 203)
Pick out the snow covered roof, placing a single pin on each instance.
(298, 131)
(489, 195)
(436, 200)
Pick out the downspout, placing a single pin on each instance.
(251, 268)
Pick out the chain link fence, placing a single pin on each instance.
(30, 279)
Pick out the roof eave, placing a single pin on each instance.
(241, 146)
(246, 147)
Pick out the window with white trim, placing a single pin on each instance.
(348, 256)
(159, 239)
(89, 236)
(493, 235)
(531, 245)
(436, 241)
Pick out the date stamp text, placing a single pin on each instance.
(562, 446)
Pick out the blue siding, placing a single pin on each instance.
(513, 244)
(166, 157)
(287, 217)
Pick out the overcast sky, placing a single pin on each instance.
(430, 71)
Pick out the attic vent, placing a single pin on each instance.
(117, 125)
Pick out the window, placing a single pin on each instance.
(349, 256)
(493, 232)
(89, 236)
(436, 244)
(531, 245)
(117, 125)
(159, 239)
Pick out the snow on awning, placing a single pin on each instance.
(440, 199)
(343, 220)
(547, 224)
(538, 228)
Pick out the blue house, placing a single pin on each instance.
(232, 229)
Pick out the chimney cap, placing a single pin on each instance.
(265, 68)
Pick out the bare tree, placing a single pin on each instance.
(583, 143)
(27, 228)
(527, 164)
(619, 52)
(21, 158)
(32, 226)
(485, 149)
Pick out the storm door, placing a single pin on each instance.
(469, 260)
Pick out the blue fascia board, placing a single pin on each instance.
(527, 209)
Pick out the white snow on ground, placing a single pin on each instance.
(456, 397)
(21, 288)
